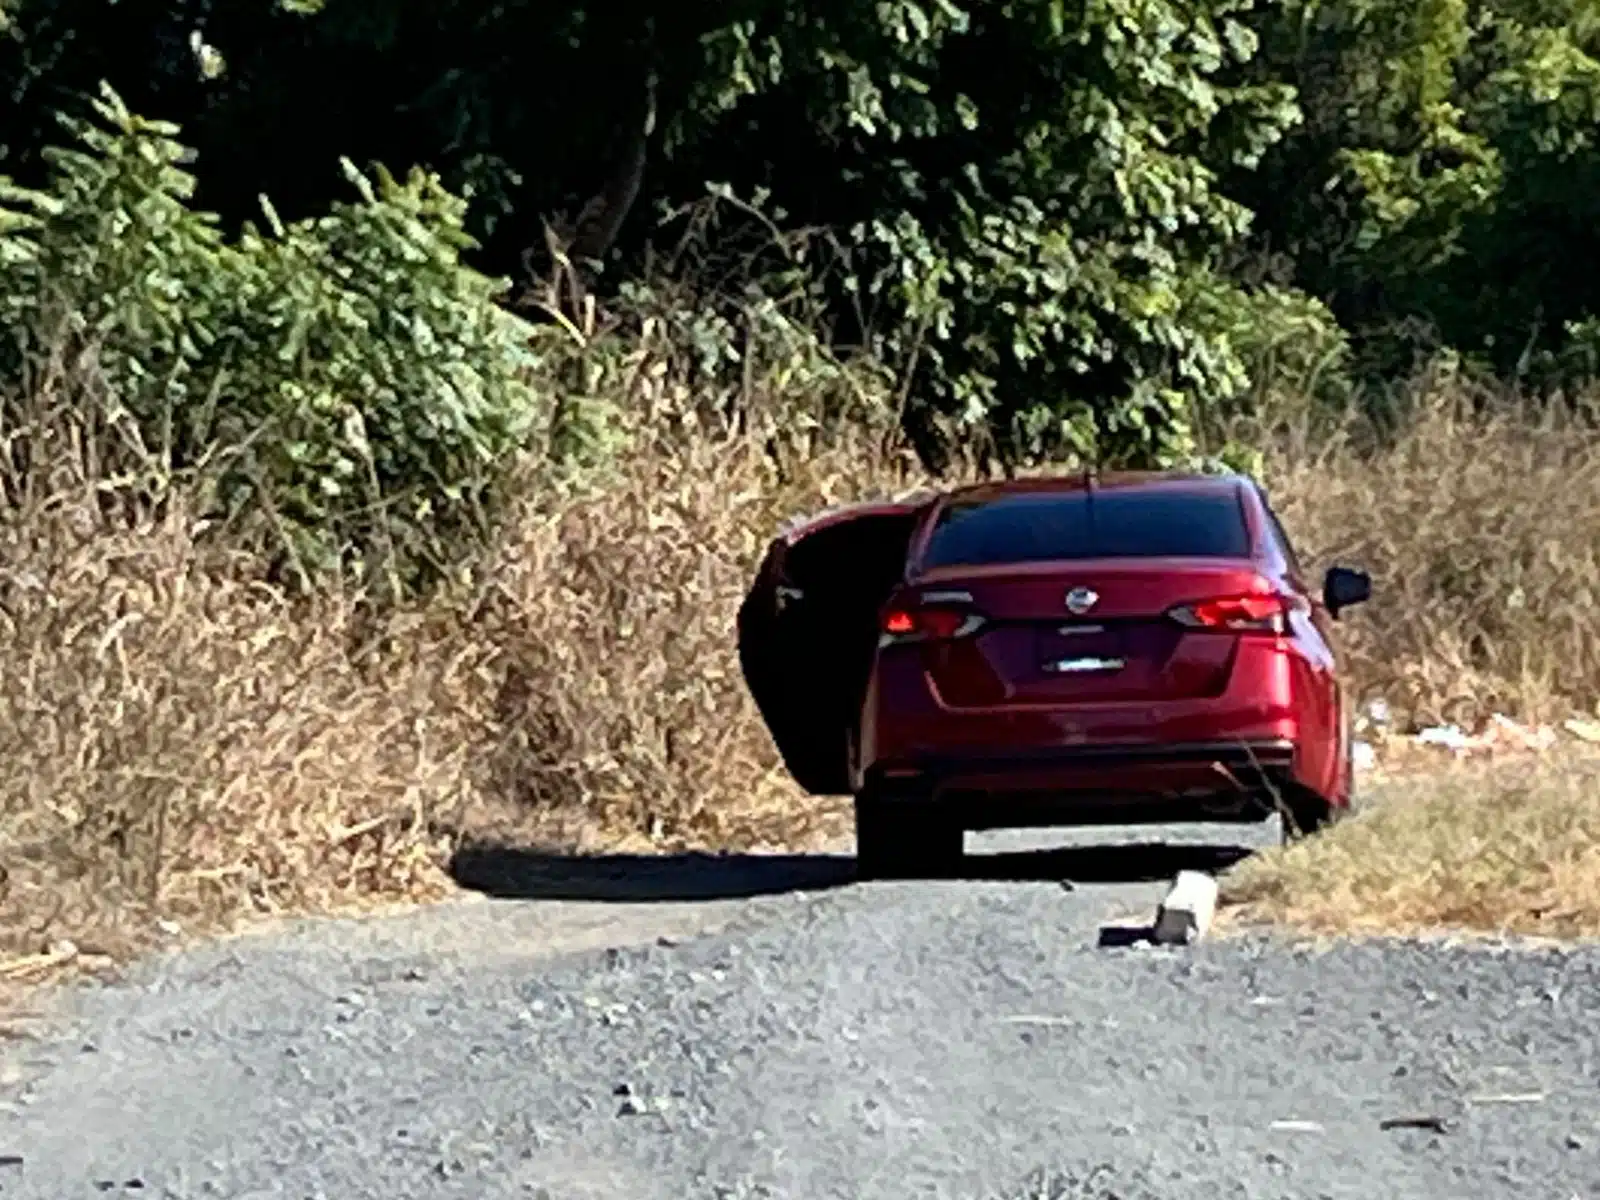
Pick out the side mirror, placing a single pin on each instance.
(1344, 587)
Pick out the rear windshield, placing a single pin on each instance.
(1040, 527)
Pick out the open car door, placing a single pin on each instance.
(808, 631)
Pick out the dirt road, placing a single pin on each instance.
(769, 1028)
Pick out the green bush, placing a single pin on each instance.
(1026, 193)
(1292, 353)
(1061, 230)
(352, 388)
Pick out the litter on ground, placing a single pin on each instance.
(1499, 735)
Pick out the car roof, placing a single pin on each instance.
(1189, 482)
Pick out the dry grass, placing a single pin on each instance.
(1512, 849)
(176, 737)
(1483, 537)
(179, 740)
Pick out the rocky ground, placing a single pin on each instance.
(768, 1027)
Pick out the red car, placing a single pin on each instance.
(1116, 649)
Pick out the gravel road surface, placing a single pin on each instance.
(745, 1028)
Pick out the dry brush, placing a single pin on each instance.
(179, 738)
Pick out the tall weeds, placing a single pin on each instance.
(180, 737)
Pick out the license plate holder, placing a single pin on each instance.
(1085, 649)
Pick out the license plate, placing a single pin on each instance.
(1088, 664)
(1080, 650)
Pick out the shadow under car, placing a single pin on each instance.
(514, 873)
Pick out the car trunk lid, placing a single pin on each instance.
(1084, 632)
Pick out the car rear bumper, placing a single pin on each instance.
(1117, 784)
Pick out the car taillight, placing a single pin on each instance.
(927, 624)
(1253, 613)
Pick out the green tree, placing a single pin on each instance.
(1026, 188)
(1030, 194)
(1441, 192)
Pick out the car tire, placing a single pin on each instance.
(900, 838)
(1305, 813)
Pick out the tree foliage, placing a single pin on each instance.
(1064, 229)
(1442, 191)
(1027, 189)
(359, 381)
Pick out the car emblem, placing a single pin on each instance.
(1081, 599)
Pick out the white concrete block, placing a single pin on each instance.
(1185, 915)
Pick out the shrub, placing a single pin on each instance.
(352, 388)
(1479, 518)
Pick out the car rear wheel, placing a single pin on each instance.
(900, 838)
(1309, 812)
(1305, 813)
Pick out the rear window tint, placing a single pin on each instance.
(1067, 525)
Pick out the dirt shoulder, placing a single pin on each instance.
(1507, 845)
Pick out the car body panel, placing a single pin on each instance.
(1028, 626)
